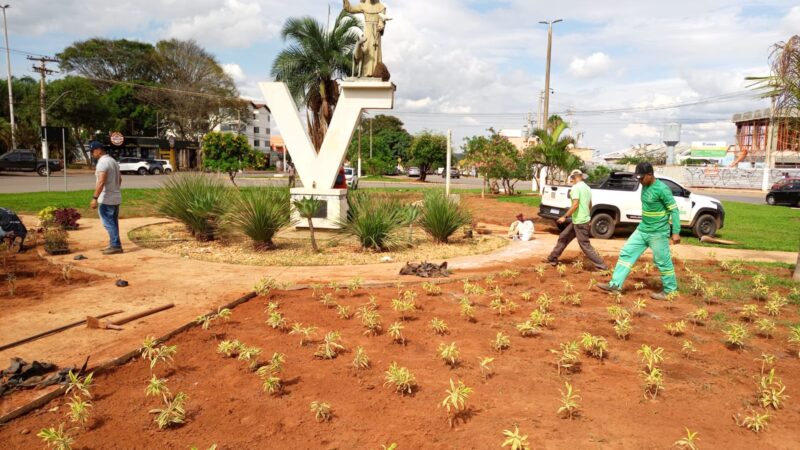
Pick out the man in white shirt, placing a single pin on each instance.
(107, 196)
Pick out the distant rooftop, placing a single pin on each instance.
(759, 114)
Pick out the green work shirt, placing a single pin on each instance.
(658, 206)
(583, 194)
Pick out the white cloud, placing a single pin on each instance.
(235, 71)
(595, 64)
(639, 131)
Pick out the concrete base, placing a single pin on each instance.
(333, 210)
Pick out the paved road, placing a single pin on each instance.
(25, 182)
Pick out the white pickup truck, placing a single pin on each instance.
(616, 201)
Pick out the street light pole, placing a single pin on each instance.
(10, 91)
(547, 73)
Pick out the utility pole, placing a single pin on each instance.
(359, 150)
(547, 73)
(43, 72)
(10, 90)
(370, 138)
(448, 163)
(540, 105)
(772, 131)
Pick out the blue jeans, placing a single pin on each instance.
(109, 215)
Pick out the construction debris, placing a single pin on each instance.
(21, 374)
(426, 270)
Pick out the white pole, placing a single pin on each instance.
(771, 129)
(447, 169)
(10, 89)
(64, 151)
(46, 155)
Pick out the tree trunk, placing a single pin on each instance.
(796, 276)
(423, 172)
(232, 176)
(313, 240)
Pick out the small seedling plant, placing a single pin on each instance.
(623, 328)
(766, 327)
(230, 348)
(699, 316)
(766, 360)
(754, 421)
(467, 310)
(544, 301)
(361, 360)
(568, 356)
(432, 289)
(676, 328)
(79, 410)
(173, 413)
(515, 440)
(404, 306)
(749, 313)
(485, 365)
(439, 326)
(327, 300)
(371, 320)
(638, 307)
(735, 334)
(157, 387)
(250, 356)
(541, 318)
(322, 411)
(401, 378)
(396, 333)
(330, 346)
(164, 353)
(456, 400)
(526, 296)
(771, 391)
(569, 402)
(58, 439)
(501, 342)
(343, 312)
(794, 338)
(528, 328)
(304, 332)
(650, 356)
(80, 385)
(653, 382)
(687, 348)
(265, 286)
(449, 353)
(354, 284)
(561, 269)
(689, 441)
(276, 321)
(596, 346)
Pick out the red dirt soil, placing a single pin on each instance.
(36, 279)
(227, 406)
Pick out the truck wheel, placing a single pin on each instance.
(770, 200)
(42, 171)
(706, 225)
(142, 171)
(603, 226)
(167, 171)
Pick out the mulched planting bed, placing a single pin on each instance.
(227, 406)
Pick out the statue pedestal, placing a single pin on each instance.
(334, 207)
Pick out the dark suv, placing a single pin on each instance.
(26, 161)
(785, 193)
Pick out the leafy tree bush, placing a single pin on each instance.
(442, 216)
(195, 200)
(390, 142)
(552, 151)
(229, 153)
(497, 158)
(260, 214)
(375, 220)
(598, 174)
(428, 150)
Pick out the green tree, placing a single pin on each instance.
(80, 107)
(427, 150)
(229, 153)
(782, 85)
(495, 157)
(307, 208)
(26, 111)
(316, 57)
(111, 59)
(390, 142)
(552, 151)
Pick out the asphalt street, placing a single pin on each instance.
(28, 182)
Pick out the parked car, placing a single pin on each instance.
(25, 161)
(414, 172)
(351, 177)
(167, 165)
(134, 165)
(454, 173)
(617, 201)
(786, 193)
(783, 181)
(156, 167)
(440, 171)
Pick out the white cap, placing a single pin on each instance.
(577, 172)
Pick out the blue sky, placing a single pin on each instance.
(467, 65)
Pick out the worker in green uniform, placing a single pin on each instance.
(658, 210)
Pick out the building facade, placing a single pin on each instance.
(256, 126)
(753, 129)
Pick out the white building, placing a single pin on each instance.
(255, 126)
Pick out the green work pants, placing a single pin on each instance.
(633, 249)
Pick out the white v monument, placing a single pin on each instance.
(318, 171)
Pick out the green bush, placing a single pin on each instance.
(195, 200)
(259, 214)
(375, 220)
(441, 216)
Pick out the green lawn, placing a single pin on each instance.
(136, 202)
(758, 227)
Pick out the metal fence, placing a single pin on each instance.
(735, 178)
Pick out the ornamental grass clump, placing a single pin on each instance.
(442, 216)
(197, 201)
(375, 220)
(259, 214)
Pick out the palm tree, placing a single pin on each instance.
(552, 151)
(782, 85)
(307, 208)
(315, 58)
